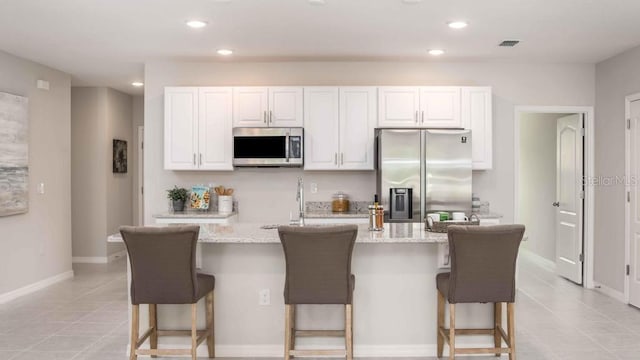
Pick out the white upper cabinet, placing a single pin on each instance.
(322, 128)
(197, 128)
(477, 116)
(429, 106)
(440, 107)
(215, 129)
(339, 127)
(398, 106)
(357, 124)
(267, 106)
(180, 128)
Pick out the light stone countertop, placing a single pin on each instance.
(253, 233)
(194, 214)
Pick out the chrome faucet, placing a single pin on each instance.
(300, 199)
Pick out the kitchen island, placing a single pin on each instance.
(394, 298)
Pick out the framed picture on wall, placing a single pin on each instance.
(119, 156)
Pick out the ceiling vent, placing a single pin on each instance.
(509, 43)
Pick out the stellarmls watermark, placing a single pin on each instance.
(609, 180)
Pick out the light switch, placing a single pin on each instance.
(41, 188)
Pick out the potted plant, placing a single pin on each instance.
(178, 196)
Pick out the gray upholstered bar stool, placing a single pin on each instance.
(483, 266)
(163, 271)
(318, 271)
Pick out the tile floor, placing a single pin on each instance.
(86, 318)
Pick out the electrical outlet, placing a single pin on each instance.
(314, 188)
(264, 297)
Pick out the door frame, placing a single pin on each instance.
(627, 205)
(589, 172)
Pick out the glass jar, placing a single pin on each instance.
(340, 202)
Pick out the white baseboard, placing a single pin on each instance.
(90, 260)
(25, 290)
(618, 295)
(539, 260)
(118, 255)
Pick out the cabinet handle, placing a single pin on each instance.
(423, 117)
(271, 116)
(200, 158)
(416, 116)
(335, 158)
(265, 116)
(341, 158)
(194, 159)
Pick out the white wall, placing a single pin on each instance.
(138, 120)
(513, 84)
(537, 177)
(37, 245)
(101, 199)
(616, 78)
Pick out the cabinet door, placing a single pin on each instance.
(215, 128)
(180, 128)
(357, 123)
(477, 116)
(440, 107)
(250, 107)
(285, 107)
(321, 129)
(398, 106)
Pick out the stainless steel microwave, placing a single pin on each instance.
(268, 147)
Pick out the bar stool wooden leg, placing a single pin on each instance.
(497, 316)
(135, 329)
(287, 331)
(210, 325)
(293, 327)
(511, 330)
(452, 331)
(153, 324)
(348, 330)
(194, 331)
(440, 323)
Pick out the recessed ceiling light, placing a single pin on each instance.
(196, 24)
(457, 24)
(436, 52)
(225, 52)
(137, 84)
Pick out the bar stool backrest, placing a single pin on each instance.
(163, 266)
(318, 263)
(483, 263)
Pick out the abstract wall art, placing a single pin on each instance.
(14, 154)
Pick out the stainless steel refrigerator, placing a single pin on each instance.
(421, 171)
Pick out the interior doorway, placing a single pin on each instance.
(553, 157)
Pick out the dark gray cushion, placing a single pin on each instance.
(318, 264)
(163, 268)
(483, 264)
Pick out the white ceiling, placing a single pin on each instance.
(106, 42)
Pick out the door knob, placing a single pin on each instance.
(556, 204)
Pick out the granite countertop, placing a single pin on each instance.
(194, 214)
(254, 233)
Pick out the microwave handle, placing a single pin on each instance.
(286, 146)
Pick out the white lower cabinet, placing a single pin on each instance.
(339, 128)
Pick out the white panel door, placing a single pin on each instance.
(180, 128)
(285, 107)
(440, 107)
(569, 203)
(321, 128)
(357, 124)
(634, 205)
(398, 106)
(250, 106)
(477, 116)
(215, 128)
